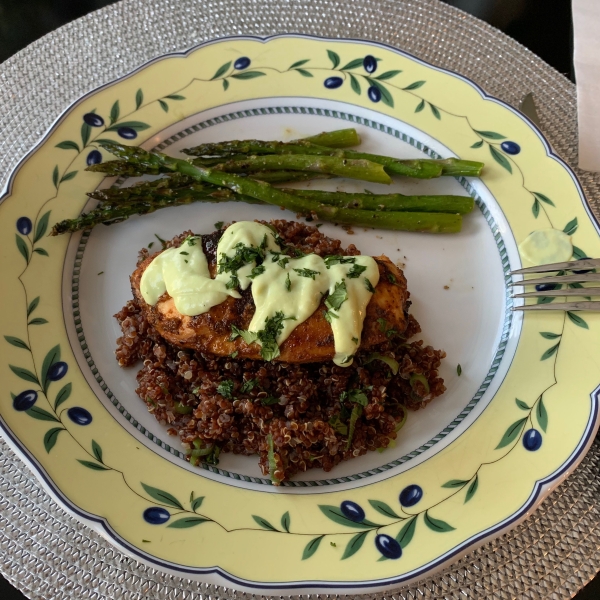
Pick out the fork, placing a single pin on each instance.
(545, 286)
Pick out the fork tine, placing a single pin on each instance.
(560, 279)
(567, 292)
(561, 266)
(561, 306)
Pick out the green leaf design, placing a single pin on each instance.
(164, 105)
(577, 320)
(225, 84)
(187, 522)
(543, 198)
(115, 111)
(420, 106)
(549, 335)
(571, 226)
(355, 544)
(578, 253)
(535, 208)
(63, 395)
(42, 224)
(299, 63)
(221, 70)
(354, 84)
(386, 97)
(33, 305)
(51, 437)
(522, 405)
(22, 247)
(546, 299)
(334, 513)
(24, 374)
(197, 503)
(51, 357)
(384, 509)
(550, 352)
(413, 86)
(17, 342)
(135, 125)
(500, 158)
(472, 489)
(139, 98)
(68, 145)
(41, 415)
(512, 432)
(264, 523)
(334, 58)
(41, 251)
(437, 524)
(162, 496)
(68, 176)
(248, 75)
(541, 414)
(92, 465)
(312, 547)
(455, 483)
(285, 521)
(491, 135)
(175, 97)
(435, 111)
(304, 72)
(477, 144)
(37, 321)
(97, 450)
(357, 62)
(86, 132)
(389, 74)
(405, 535)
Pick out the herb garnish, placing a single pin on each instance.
(267, 336)
(225, 388)
(186, 253)
(459, 370)
(383, 327)
(248, 386)
(308, 273)
(269, 400)
(288, 283)
(163, 242)
(391, 278)
(356, 271)
(369, 286)
(219, 225)
(336, 259)
(256, 271)
(248, 336)
(338, 297)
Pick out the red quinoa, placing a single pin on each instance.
(217, 404)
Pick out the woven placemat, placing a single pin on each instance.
(51, 556)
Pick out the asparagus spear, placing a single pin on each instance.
(341, 138)
(420, 168)
(388, 202)
(432, 222)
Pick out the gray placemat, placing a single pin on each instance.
(49, 555)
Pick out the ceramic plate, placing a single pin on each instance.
(519, 412)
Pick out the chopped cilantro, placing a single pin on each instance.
(340, 295)
(338, 260)
(219, 225)
(248, 336)
(268, 335)
(308, 273)
(234, 354)
(248, 386)
(391, 278)
(369, 286)
(459, 370)
(186, 253)
(288, 283)
(163, 242)
(185, 260)
(338, 425)
(356, 271)
(329, 316)
(383, 327)
(190, 240)
(283, 262)
(243, 255)
(256, 271)
(225, 388)
(101, 272)
(355, 340)
(272, 461)
(269, 400)
(356, 413)
(150, 244)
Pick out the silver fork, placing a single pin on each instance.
(583, 266)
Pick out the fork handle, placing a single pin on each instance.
(593, 305)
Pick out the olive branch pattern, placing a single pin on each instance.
(165, 507)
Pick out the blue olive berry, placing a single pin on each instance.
(374, 94)
(57, 371)
(579, 271)
(24, 225)
(156, 515)
(532, 440)
(410, 495)
(331, 83)
(25, 400)
(241, 63)
(352, 511)
(93, 158)
(544, 287)
(79, 415)
(388, 546)
(127, 133)
(510, 147)
(370, 63)
(93, 120)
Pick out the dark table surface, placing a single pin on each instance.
(543, 26)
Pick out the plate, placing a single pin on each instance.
(515, 421)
